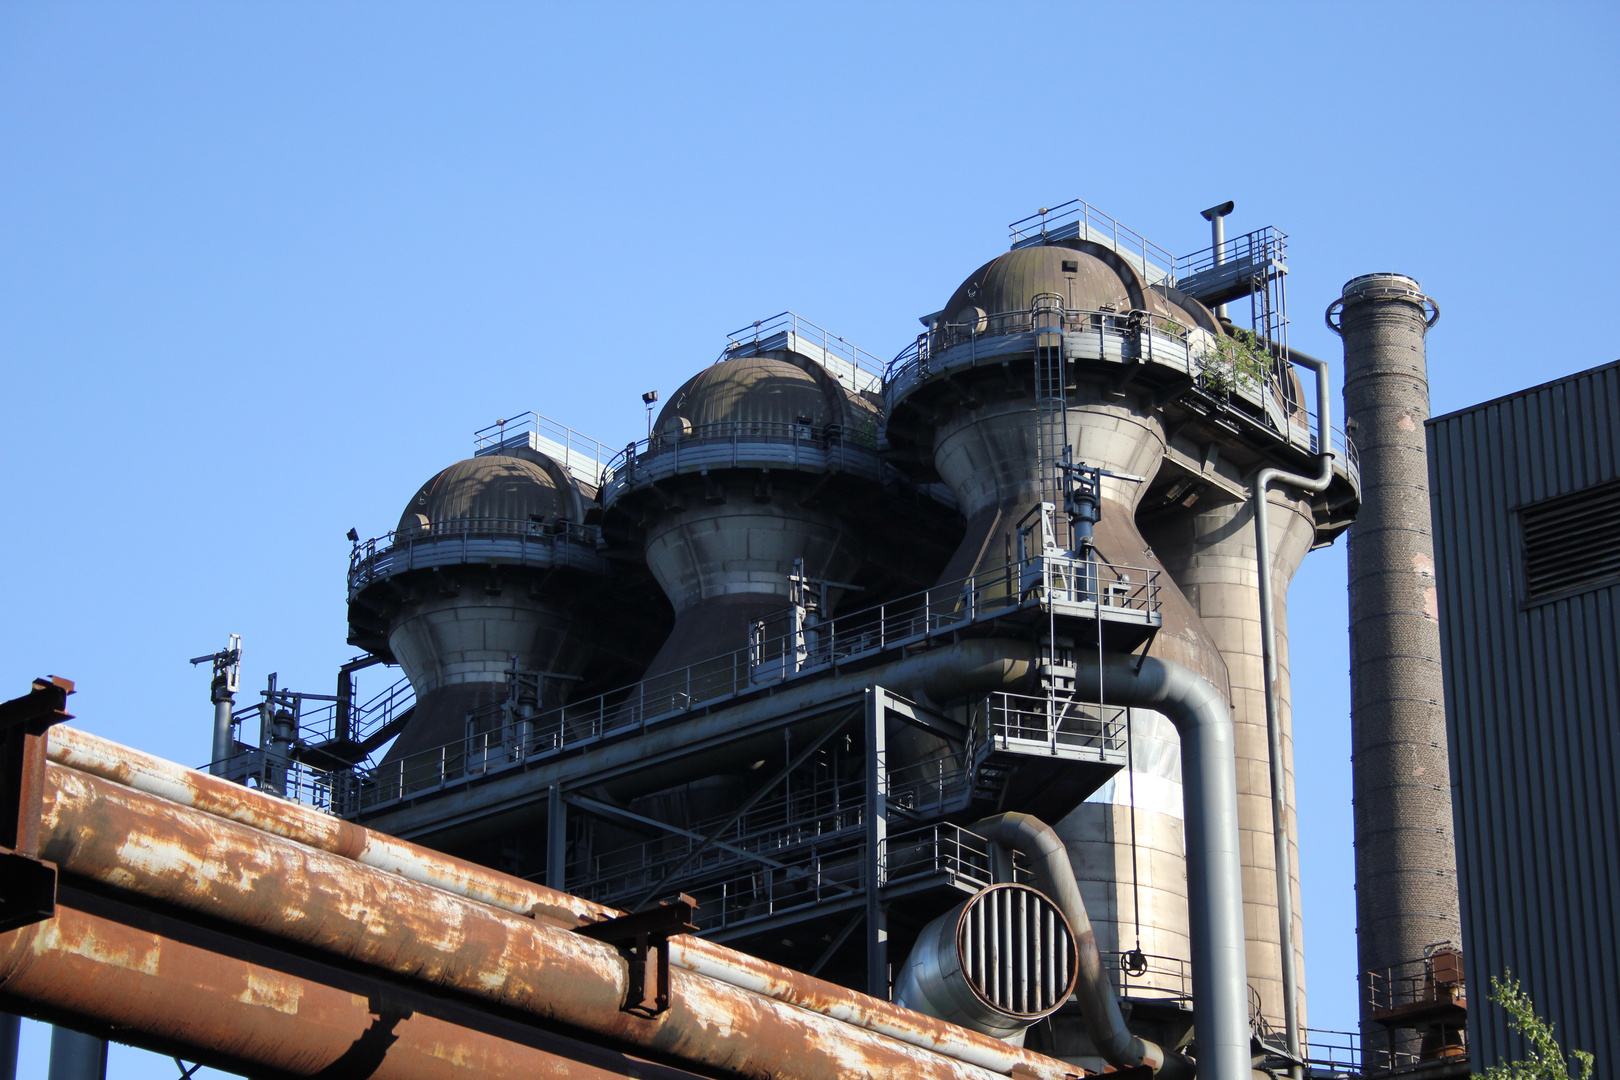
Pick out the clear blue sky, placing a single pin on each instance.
(264, 268)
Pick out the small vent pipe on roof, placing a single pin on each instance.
(1216, 216)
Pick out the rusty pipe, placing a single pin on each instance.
(82, 751)
(144, 985)
(126, 839)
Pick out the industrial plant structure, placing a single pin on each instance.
(960, 680)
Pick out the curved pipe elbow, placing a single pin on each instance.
(1054, 876)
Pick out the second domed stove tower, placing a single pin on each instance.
(761, 468)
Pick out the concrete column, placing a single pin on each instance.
(1406, 878)
(77, 1056)
(1211, 556)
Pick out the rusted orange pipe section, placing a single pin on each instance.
(84, 752)
(120, 837)
(175, 997)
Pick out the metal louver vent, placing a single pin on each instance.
(1016, 951)
(1571, 542)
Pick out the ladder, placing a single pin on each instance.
(1051, 407)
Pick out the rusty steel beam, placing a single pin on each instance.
(167, 854)
(211, 796)
(119, 971)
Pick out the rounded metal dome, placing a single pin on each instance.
(753, 389)
(489, 488)
(1090, 278)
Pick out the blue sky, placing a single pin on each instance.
(264, 268)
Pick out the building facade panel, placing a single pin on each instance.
(1533, 707)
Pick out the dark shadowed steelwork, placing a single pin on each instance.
(1527, 541)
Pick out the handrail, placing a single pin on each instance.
(772, 657)
(364, 556)
(1263, 245)
(758, 337)
(1080, 219)
(823, 438)
(1126, 323)
(926, 851)
(578, 453)
(1215, 373)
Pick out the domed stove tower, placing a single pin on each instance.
(1066, 350)
(1018, 374)
(474, 580)
(741, 487)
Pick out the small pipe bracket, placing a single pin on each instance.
(642, 938)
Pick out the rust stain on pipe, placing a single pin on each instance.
(130, 840)
(210, 795)
(172, 996)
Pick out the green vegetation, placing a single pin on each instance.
(1238, 361)
(1546, 1060)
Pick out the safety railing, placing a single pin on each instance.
(1149, 975)
(1435, 980)
(1131, 323)
(854, 366)
(785, 644)
(777, 652)
(709, 851)
(275, 772)
(1255, 249)
(942, 851)
(578, 453)
(395, 552)
(1224, 368)
(1024, 722)
(1080, 220)
(1333, 1054)
(319, 724)
(806, 444)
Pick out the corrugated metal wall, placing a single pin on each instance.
(1532, 714)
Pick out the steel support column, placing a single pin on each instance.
(877, 829)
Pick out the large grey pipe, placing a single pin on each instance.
(10, 1034)
(1054, 876)
(1406, 878)
(224, 744)
(1268, 651)
(1214, 858)
(77, 1056)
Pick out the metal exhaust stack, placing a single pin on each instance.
(1406, 876)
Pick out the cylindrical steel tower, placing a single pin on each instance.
(1406, 880)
